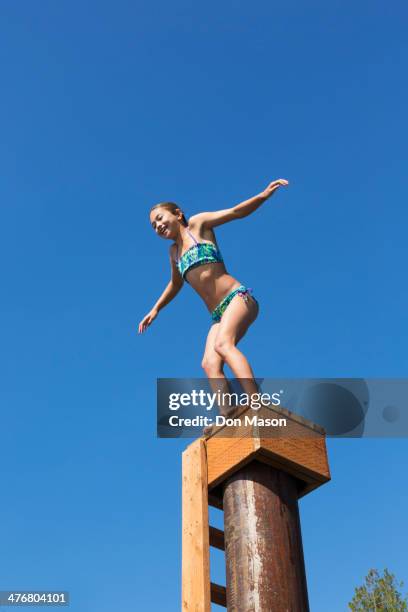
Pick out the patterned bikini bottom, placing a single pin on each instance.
(219, 310)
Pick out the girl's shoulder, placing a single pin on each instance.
(195, 221)
(196, 224)
(173, 251)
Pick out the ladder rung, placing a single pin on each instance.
(215, 501)
(217, 538)
(218, 594)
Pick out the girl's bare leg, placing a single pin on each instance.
(213, 365)
(234, 323)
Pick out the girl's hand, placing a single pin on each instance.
(147, 320)
(274, 186)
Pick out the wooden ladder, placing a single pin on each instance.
(198, 592)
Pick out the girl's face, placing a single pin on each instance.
(165, 223)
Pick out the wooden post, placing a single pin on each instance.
(257, 479)
(195, 537)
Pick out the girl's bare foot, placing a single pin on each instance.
(207, 431)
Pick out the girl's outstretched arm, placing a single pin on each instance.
(212, 219)
(168, 294)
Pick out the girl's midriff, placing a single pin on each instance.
(212, 283)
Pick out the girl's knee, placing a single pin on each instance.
(212, 366)
(223, 345)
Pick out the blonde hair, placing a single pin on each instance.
(172, 207)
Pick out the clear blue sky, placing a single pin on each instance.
(109, 107)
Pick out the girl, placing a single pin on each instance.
(196, 258)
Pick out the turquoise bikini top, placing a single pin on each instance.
(197, 255)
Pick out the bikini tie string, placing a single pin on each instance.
(244, 294)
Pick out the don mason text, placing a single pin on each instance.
(205, 421)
